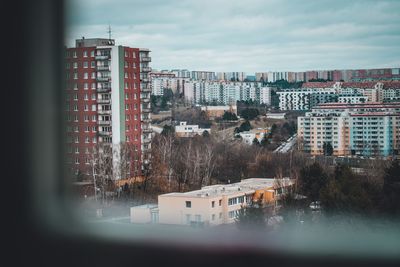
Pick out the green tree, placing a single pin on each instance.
(249, 113)
(345, 193)
(328, 149)
(229, 116)
(205, 134)
(251, 216)
(391, 190)
(312, 180)
(255, 142)
(167, 130)
(163, 105)
(265, 140)
(245, 126)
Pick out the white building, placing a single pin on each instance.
(185, 130)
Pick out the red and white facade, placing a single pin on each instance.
(107, 100)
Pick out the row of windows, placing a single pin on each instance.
(69, 117)
(75, 54)
(129, 75)
(74, 86)
(85, 64)
(76, 128)
(75, 139)
(85, 97)
(237, 200)
(85, 107)
(85, 75)
(127, 64)
(128, 54)
(129, 106)
(131, 85)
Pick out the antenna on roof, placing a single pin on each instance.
(109, 32)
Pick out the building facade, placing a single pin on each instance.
(218, 204)
(107, 101)
(364, 129)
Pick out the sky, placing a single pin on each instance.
(250, 36)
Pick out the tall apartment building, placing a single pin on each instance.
(107, 101)
(226, 92)
(305, 98)
(352, 129)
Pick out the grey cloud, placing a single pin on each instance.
(252, 35)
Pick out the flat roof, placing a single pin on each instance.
(249, 186)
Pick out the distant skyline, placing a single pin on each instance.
(249, 36)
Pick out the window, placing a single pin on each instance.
(85, 86)
(92, 53)
(220, 202)
(188, 204)
(93, 75)
(85, 75)
(212, 204)
(93, 86)
(197, 218)
(85, 53)
(93, 107)
(188, 218)
(92, 64)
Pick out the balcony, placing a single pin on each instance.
(105, 133)
(104, 112)
(147, 130)
(102, 57)
(145, 80)
(145, 100)
(145, 89)
(104, 90)
(145, 59)
(103, 101)
(146, 140)
(146, 120)
(103, 68)
(146, 110)
(103, 79)
(145, 69)
(104, 123)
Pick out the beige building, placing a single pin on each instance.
(218, 111)
(217, 204)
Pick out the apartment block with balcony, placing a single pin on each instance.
(103, 100)
(363, 129)
(145, 59)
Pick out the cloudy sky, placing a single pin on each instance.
(250, 35)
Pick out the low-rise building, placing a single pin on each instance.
(219, 204)
(276, 116)
(248, 136)
(185, 130)
(218, 111)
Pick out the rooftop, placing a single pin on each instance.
(248, 186)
